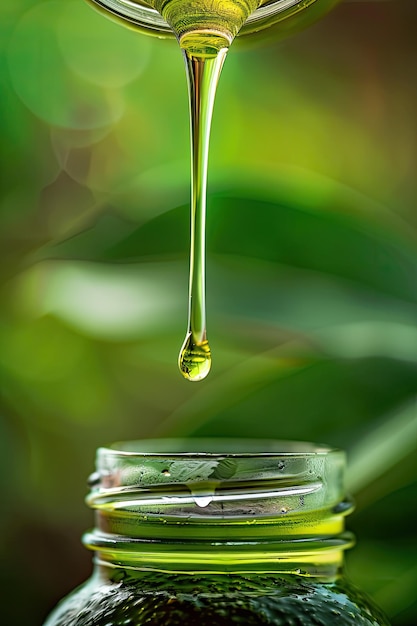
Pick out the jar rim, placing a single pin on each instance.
(216, 447)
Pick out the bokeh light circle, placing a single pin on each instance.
(98, 50)
(46, 84)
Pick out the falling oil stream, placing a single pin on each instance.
(203, 73)
(204, 31)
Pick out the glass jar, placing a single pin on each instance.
(286, 16)
(217, 533)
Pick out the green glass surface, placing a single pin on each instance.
(188, 537)
(217, 600)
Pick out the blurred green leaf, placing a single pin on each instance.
(382, 448)
(297, 398)
(324, 242)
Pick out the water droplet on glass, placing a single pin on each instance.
(203, 501)
(202, 495)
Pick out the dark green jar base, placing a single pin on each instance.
(216, 600)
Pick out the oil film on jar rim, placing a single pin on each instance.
(270, 13)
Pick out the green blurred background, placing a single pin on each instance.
(312, 270)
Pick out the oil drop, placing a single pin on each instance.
(194, 359)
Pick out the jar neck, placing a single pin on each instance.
(221, 514)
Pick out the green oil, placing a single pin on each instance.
(204, 29)
(203, 73)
